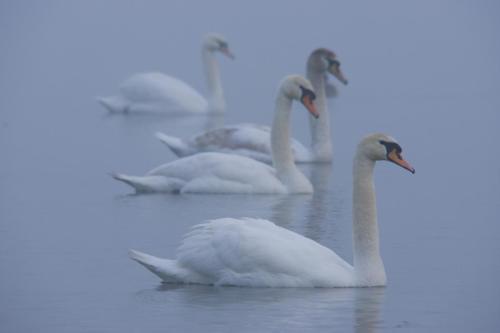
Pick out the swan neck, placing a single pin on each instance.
(280, 136)
(212, 74)
(368, 265)
(321, 143)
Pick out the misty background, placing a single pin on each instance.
(426, 72)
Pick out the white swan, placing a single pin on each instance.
(258, 253)
(157, 92)
(254, 140)
(226, 173)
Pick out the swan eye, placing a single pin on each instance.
(390, 146)
(307, 92)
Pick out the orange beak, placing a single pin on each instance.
(308, 103)
(227, 53)
(396, 158)
(335, 71)
(340, 76)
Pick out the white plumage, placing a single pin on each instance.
(228, 173)
(254, 141)
(258, 253)
(250, 140)
(250, 252)
(158, 92)
(155, 92)
(208, 173)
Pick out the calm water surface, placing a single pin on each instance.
(66, 226)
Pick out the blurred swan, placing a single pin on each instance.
(258, 253)
(254, 140)
(158, 92)
(226, 173)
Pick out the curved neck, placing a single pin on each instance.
(216, 99)
(368, 265)
(321, 143)
(280, 136)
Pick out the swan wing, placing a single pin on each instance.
(242, 136)
(221, 173)
(163, 90)
(255, 252)
(251, 140)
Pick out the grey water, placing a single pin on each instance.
(425, 72)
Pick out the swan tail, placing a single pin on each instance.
(113, 104)
(176, 145)
(145, 184)
(165, 269)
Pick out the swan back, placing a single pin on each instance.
(162, 91)
(221, 173)
(256, 252)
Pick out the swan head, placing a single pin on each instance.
(382, 147)
(215, 42)
(325, 61)
(299, 88)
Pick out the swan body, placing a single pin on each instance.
(250, 252)
(258, 253)
(250, 140)
(214, 172)
(158, 92)
(209, 173)
(155, 92)
(253, 140)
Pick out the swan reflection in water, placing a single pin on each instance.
(272, 308)
(367, 306)
(312, 215)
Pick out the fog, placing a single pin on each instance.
(426, 72)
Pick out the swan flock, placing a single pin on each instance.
(257, 253)
(254, 252)
(214, 172)
(253, 140)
